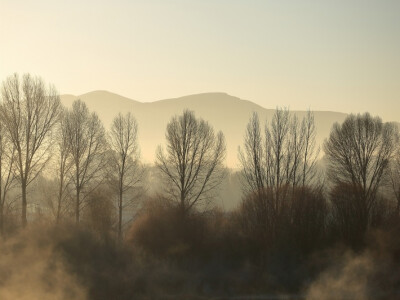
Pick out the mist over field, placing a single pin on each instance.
(82, 217)
(199, 150)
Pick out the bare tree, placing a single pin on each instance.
(274, 165)
(310, 151)
(7, 178)
(87, 147)
(63, 165)
(29, 112)
(358, 153)
(285, 155)
(192, 165)
(126, 170)
(253, 158)
(278, 140)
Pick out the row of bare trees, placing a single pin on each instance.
(70, 146)
(279, 166)
(37, 131)
(282, 153)
(279, 162)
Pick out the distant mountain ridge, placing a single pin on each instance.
(224, 112)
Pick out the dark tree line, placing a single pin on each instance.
(285, 200)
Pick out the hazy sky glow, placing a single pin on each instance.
(324, 55)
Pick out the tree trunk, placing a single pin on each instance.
(2, 202)
(58, 211)
(77, 208)
(120, 216)
(398, 208)
(60, 194)
(398, 202)
(24, 204)
(2, 219)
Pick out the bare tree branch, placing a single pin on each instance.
(192, 166)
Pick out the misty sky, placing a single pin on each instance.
(324, 55)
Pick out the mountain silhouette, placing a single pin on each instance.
(224, 112)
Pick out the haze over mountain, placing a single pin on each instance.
(227, 113)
